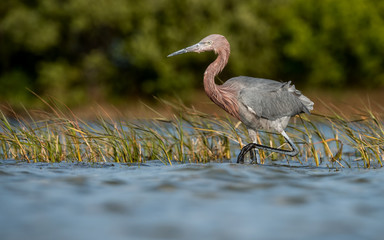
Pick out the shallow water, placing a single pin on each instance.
(188, 201)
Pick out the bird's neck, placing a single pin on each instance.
(222, 96)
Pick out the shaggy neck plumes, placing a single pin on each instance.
(223, 97)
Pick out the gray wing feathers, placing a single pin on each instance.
(275, 101)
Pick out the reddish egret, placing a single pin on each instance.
(258, 103)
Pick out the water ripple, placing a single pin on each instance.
(188, 201)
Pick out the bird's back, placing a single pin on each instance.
(246, 82)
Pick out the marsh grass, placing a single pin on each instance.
(187, 136)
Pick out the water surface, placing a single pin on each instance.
(188, 201)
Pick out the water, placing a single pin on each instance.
(188, 201)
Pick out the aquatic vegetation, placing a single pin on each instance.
(188, 136)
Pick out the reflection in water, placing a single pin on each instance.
(188, 201)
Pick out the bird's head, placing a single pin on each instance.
(212, 42)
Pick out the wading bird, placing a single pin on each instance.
(257, 103)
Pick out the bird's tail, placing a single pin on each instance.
(306, 101)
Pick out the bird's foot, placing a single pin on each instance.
(248, 148)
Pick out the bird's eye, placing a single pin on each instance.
(209, 42)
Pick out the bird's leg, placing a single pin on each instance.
(248, 147)
(255, 155)
(254, 152)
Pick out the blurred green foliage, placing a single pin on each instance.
(94, 50)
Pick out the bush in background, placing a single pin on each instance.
(97, 50)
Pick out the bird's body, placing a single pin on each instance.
(267, 104)
(257, 103)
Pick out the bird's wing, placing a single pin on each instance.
(273, 101)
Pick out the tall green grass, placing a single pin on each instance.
(187, 136)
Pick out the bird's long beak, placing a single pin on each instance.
(193, 48)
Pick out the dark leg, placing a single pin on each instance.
(250, 146)
(252, 154)
(247, 148)
(255, 156)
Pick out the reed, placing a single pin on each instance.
(188, 136)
